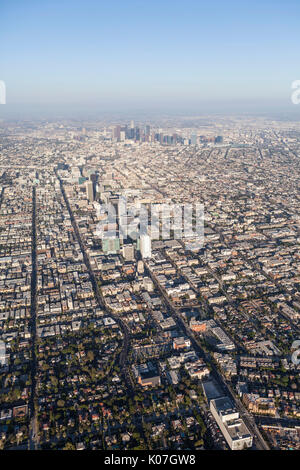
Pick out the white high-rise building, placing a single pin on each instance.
(234, 430)
(145, 246)
(2, 354)
(140, 267)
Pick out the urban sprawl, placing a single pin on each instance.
(120, 343)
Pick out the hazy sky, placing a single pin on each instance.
(149, 52)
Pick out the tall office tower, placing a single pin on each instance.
(193, 139)
(132, 130)
(122, 136)
(89, 186)
(147, 130)
(117, 131)
(145, 246)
